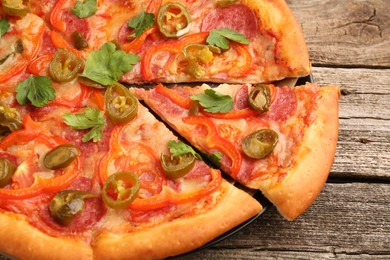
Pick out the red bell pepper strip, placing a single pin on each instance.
(215, 141)
(241, 70)
(55, 16)
(32, 132)
(173, 47)
(60, 42)
(38, 65)
(136, 44)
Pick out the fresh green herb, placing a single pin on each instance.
(219, 38)
(37, 89)
(178, 148)
(91, 118)
(214, 102)
(215, 158)
(4, 26)
(107, 65)
(141, 22)
(85, 9)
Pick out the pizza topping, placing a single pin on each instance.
(215, 158)
(178, 148)
(121, 105)
(37, 89)
(15, 7)
(236, 17)
(90, 119)
(173, 19)
(79, 40)
(260, 98)
(61, 156)
(7, 170)
(176, 167)
(198, 53)
(180, 161)
(85, 9)
(64, 66)
(9, 120)
(67, 204)
(140, 23)
(4, 26)
(214, 102)
(226, 3)
(260, 143)
(107, 65)
(284, 105)
(90, 83)
(120, 189)
(219, 37)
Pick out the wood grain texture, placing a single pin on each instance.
(347, 33)
(363, 149)
(350, 220)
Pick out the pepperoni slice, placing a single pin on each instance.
(284, 104)
(73, 23)
(124, 33)
(236, 17)
(241, 98)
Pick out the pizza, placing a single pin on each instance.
(279, 140)
(95, 164)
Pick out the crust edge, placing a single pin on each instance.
(277, 16)
(181, 235)
(19, 239)
(308, 176)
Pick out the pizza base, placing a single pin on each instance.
(312, 165)
(277, 17)
(181, 235)
(23, 241)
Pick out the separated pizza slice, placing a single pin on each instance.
(93, 184)
(280, 140)
(208, 41)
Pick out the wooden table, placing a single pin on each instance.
(349, 44)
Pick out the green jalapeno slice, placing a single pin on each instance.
(226, 3)
(9, 120)
(173, 19)
(15, 7)
(121, 105)
(67, 204)
(60, 157)
(176, 167)
(260, 143)
(260, 98)
(7, 170)
(120, 190)
(79, 40)
(64, 66)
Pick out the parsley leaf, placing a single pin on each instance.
(215, 158)
(141, 22)
(107, 65)
(91, 118)
(37, 89)
(85, 9)
(4, 26)
(214, 102)
(219, 38)
(178, 148)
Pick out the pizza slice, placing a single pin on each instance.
(208, 41)
(92, 184)
(280, 140)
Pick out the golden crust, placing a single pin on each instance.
(277, 17)
(315, 157)
(21, 240)
(180, 235)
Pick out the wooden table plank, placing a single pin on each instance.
(347, 33)
(363, 149)
(347, 220)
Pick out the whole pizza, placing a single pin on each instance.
(102, 157)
